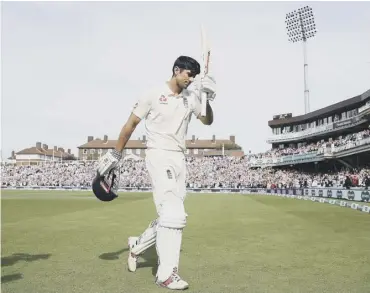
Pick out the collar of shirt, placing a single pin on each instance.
(168, 92)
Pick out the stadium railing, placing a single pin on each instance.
(312, 156)
(352, 144)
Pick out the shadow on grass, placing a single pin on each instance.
(16, 257)
(147, 260)
(10, 278)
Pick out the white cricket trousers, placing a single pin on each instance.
(167, 170)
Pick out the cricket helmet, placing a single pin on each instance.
(105, 187)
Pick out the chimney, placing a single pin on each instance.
(13, 154)
(90, 138)
(62, 150)
(59, 149)
(144, 138)
(38, 145)
(55, 148)
(232, 138)
(69, 151)
(105, 138)
(45, 146)
(193, 138)
(213, 138)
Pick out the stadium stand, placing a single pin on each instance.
(337, 135)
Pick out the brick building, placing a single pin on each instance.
(40, 153)
(94, 148)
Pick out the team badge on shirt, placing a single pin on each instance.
(169, 174)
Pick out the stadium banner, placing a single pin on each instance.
(339, 193)
(353, 194)
(343, 123)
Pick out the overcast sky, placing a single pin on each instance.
(92, 60)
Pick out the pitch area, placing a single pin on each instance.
(57, 241)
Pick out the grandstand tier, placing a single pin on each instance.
(339, 132)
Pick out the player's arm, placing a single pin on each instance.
(208, 119)
(197, 110)
(126, 132)
(139, 112)
(111, 159)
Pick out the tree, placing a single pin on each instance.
(229, 146)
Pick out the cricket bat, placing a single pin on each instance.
(206, 53)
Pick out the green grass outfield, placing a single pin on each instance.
(69, 242)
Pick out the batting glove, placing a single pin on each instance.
(109, 161)
(208, 85)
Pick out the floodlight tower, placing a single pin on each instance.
(301, 26)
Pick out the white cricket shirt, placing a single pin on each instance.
(167, 117)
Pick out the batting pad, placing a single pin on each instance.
(147, 239)
(172, 213)
(168, 249)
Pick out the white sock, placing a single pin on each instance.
(168, 248)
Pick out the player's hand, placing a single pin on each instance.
(109, 161)
(208, 85)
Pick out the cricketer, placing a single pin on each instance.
(167, 111)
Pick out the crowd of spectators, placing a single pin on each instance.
(336, 144)
(202, 172)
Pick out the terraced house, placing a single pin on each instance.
(94, 148)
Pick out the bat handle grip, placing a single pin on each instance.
(204, 103)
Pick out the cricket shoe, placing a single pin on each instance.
(174, 282)
(132, 258)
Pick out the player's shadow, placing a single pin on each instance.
(10, 278)
(16, 257)
(147, 260)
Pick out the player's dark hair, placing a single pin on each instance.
(187, 63)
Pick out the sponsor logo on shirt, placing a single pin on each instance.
(163, 100)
